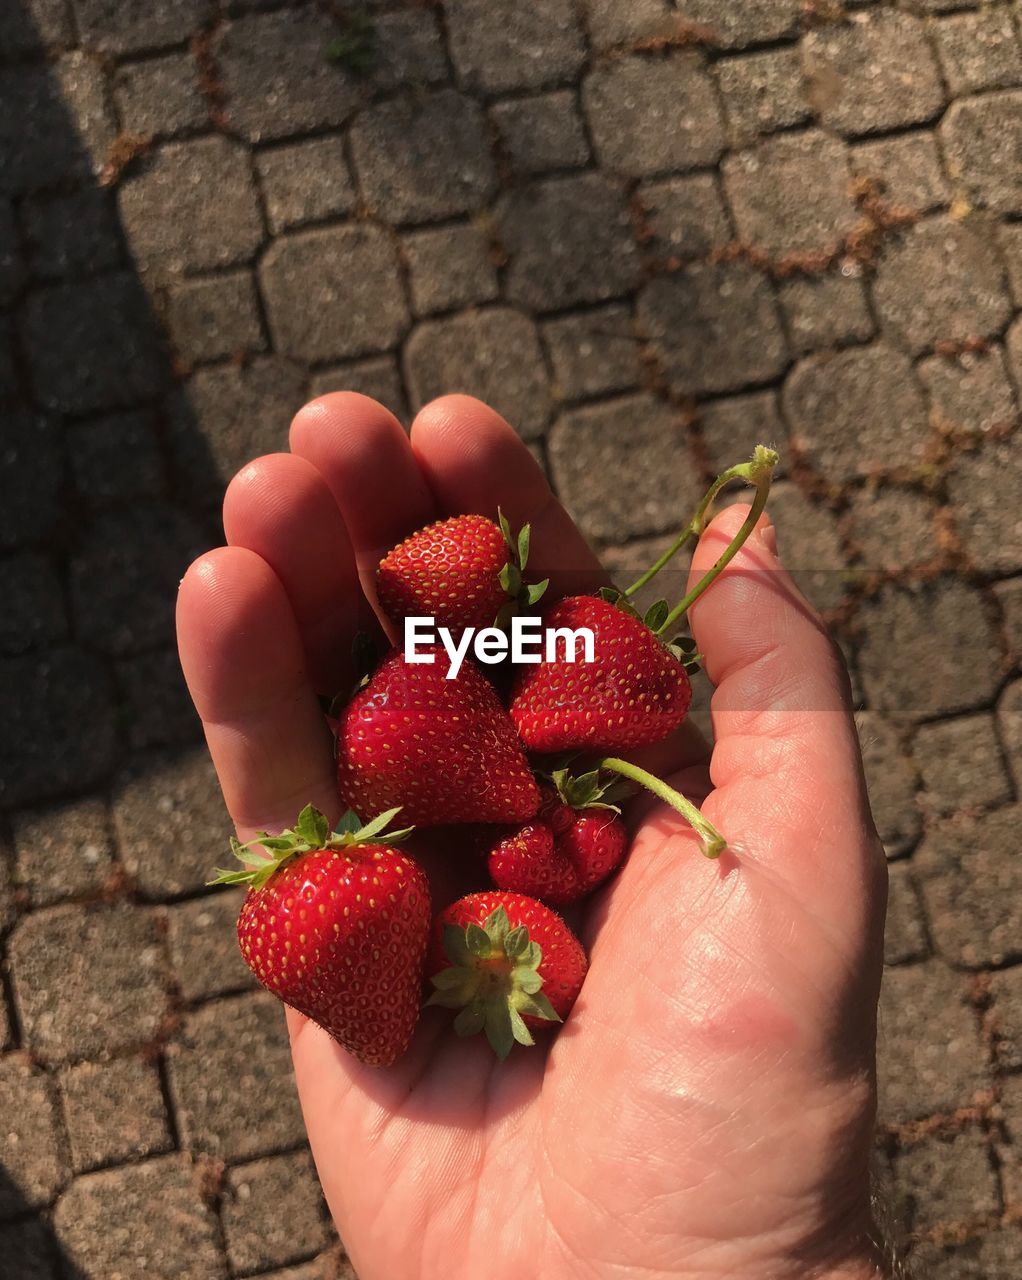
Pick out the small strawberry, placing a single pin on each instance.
(571, 846)
(462, 572)
(336, 925)
(442, 750)
(508, 963)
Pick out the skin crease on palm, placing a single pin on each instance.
(707, 1109)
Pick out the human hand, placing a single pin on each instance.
(707, 1109)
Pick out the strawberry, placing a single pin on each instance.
(336, 925)
(443, 750)
(634, 692)
(462, 572)
(569, 848)
(509, 964)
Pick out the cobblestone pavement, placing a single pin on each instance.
(651, 235)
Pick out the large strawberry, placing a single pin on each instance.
(336, 925)
(462, 572)
(443, 750)
(509, 964)
(572, 845)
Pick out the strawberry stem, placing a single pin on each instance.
(747, 471)
(759, 471)
(714, 843)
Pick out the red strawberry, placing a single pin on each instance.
(634, 692)
(336, 925)
(443, 750)
(507, 963)
(460, 572)
(572, 846)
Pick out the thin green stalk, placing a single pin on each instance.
(714, 843)
(759, 472)
(746, 471)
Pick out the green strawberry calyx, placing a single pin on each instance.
(590, 790)
(493, 979)
(521, 594)
(266, 854)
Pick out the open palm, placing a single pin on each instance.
(707, 1109)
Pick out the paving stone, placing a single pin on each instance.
(684, 217)
(277, 78)
(228, 414)
(1009, 594)
(160, 97)
(713, 328)
(154, 702)
(333, 293)
(171, 223)
(982, 139)
(611, 23)
(1006, 1019)
(542, 133)
(97, 1221)
(736, 25)
(907, 169)
(33, 26)
(204, 946)
(12, 268)
(978, 51)
(53, 123)
(811, 545)
(72, 234)
(28, 1246)
(992, 1256)
(493, 355)
(33, 599)
(732, 427)
(930, 1059)
(45, 698)
(825, 311)
(108, 324)
(132, 25)
(217, 317)
(1009, 722)
(225, 1053)
(856, 411)
(169, 818)
(408, 49)
(970, 391)
(893, 529)
(970, 876)
(273, 1212)
(114, 1111)
(115, 459)
(938, 630)
(946, 1179)
(380, 379)
(449, 267)
(305, 182)
(33, 1164)
(625, 563)
(423, 157)
(88, 981)
(874, 72)
(989, 481)
(569, 240)
(9, 377)
(653, 115)
(592, 448)
(762, 93)
(1009, 238)
(940, 281)
(905, 934)
(63, 850)
(961, 765)
(593, 352)
(500, 44)
(124, 576)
